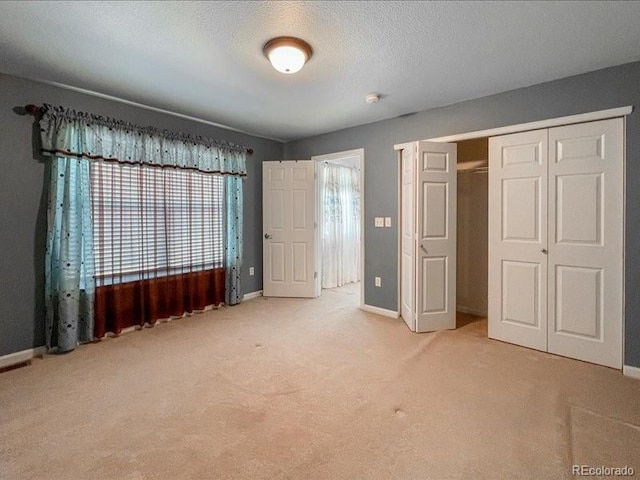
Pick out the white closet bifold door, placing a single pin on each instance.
(586, 241)
(556, 222)
(436, 213)
(518, 239)
(408, 236)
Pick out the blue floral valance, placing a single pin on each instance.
(67, 133)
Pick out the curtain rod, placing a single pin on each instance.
(35, 110)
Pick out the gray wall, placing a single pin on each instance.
(603, 89)
(23, 199)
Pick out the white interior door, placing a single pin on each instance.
(518, 239)
(586, 241)
(436, 236)
(289, 250)
(408, 235)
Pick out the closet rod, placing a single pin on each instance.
(475, 170)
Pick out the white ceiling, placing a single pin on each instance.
(204, 59)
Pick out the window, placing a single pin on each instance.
(152, 221)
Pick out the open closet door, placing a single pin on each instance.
(436, 236)
(407, 236)
(288, 204)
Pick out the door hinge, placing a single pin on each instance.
(315, 274)
(315, 224)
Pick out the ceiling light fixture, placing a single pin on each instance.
(287, 54)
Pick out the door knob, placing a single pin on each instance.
(423, 249)
(266, 235)
(544, 250)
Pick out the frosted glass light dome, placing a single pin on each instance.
(287, 54)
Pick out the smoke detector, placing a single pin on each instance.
(372, 98)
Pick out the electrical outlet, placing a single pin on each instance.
(251, 271)
(378, 282)
(387, 221)
(379, 222)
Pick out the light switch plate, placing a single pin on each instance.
(251, 271)
(379, 222)
(378, 282)
(387, 221)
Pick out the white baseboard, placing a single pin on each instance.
(380, 311)
(470, 311)
(249, 296)
(23, 356)
(629, 371)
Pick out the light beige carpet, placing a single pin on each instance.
(312, 389)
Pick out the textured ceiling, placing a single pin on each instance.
(204, 59)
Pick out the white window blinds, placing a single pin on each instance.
(152, 221)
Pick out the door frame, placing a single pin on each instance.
(523, 127)
(358, 152)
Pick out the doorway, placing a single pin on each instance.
(340, 223)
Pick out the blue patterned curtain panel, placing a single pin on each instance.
(233, 239)
(69, 265)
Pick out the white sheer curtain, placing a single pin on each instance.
(341, 225)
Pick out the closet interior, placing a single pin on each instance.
(472, 225)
